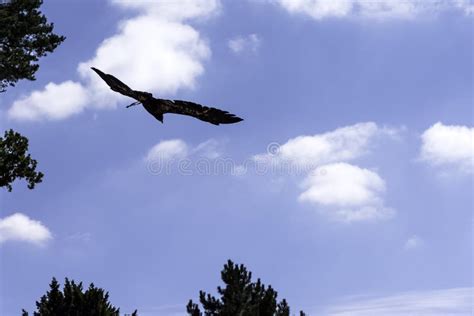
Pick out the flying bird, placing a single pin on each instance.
(159, 107)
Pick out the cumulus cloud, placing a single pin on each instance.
(156, 50)
(455, 302)
(413, 242)
(55, 101)
(176, 155)
(173, 10)
(450, 146)
(155, 55)
(240, 44)
(349, 192)
(175, 149)
(19, 227)
(379, 9)
(343, 191)
(343, 144)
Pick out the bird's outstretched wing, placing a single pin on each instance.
(158, 107)
(117, 85)
(204, 113)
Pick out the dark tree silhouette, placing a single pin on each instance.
(240, 297)
(25, 36)
(74, 301)
(15, 162)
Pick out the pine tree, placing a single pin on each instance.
(25, 36)
(74, 301)
(15, 162)
(240, 297)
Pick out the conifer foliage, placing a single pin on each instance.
(74, 301)
(25, 36)
(16, 162)
(240, 297)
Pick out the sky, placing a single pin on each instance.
(347, 187)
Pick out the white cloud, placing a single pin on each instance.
(167, 150)
(155, 55)
(413, 242)
(317, 8)
(175, 149)
(343, 144)
(154, 51)
(173, 10)
(55, 102)
(349, 193)
(19, 227)
(453, 302)
(449, 146)
(378, 9)
(343, 191)
(175, 155)
(241, 43)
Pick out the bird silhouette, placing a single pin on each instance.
(159, 107)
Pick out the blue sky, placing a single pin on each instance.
(348, 187)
